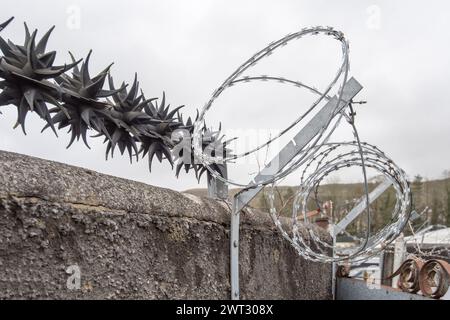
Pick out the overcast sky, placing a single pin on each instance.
(399, 51)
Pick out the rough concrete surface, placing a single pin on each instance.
(129, 240)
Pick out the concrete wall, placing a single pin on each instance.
(132, 240)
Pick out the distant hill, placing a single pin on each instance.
(432, 195)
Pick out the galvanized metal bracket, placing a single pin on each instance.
(361, 206)
(305, 135)
(350, 217)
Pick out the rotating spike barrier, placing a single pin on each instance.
(313, 156)
(147, 127)
(125, 119)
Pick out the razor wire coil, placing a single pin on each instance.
(318, 161)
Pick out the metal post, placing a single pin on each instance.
(217, 189)
(387, 266)
(300, 141)
(234, 250)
